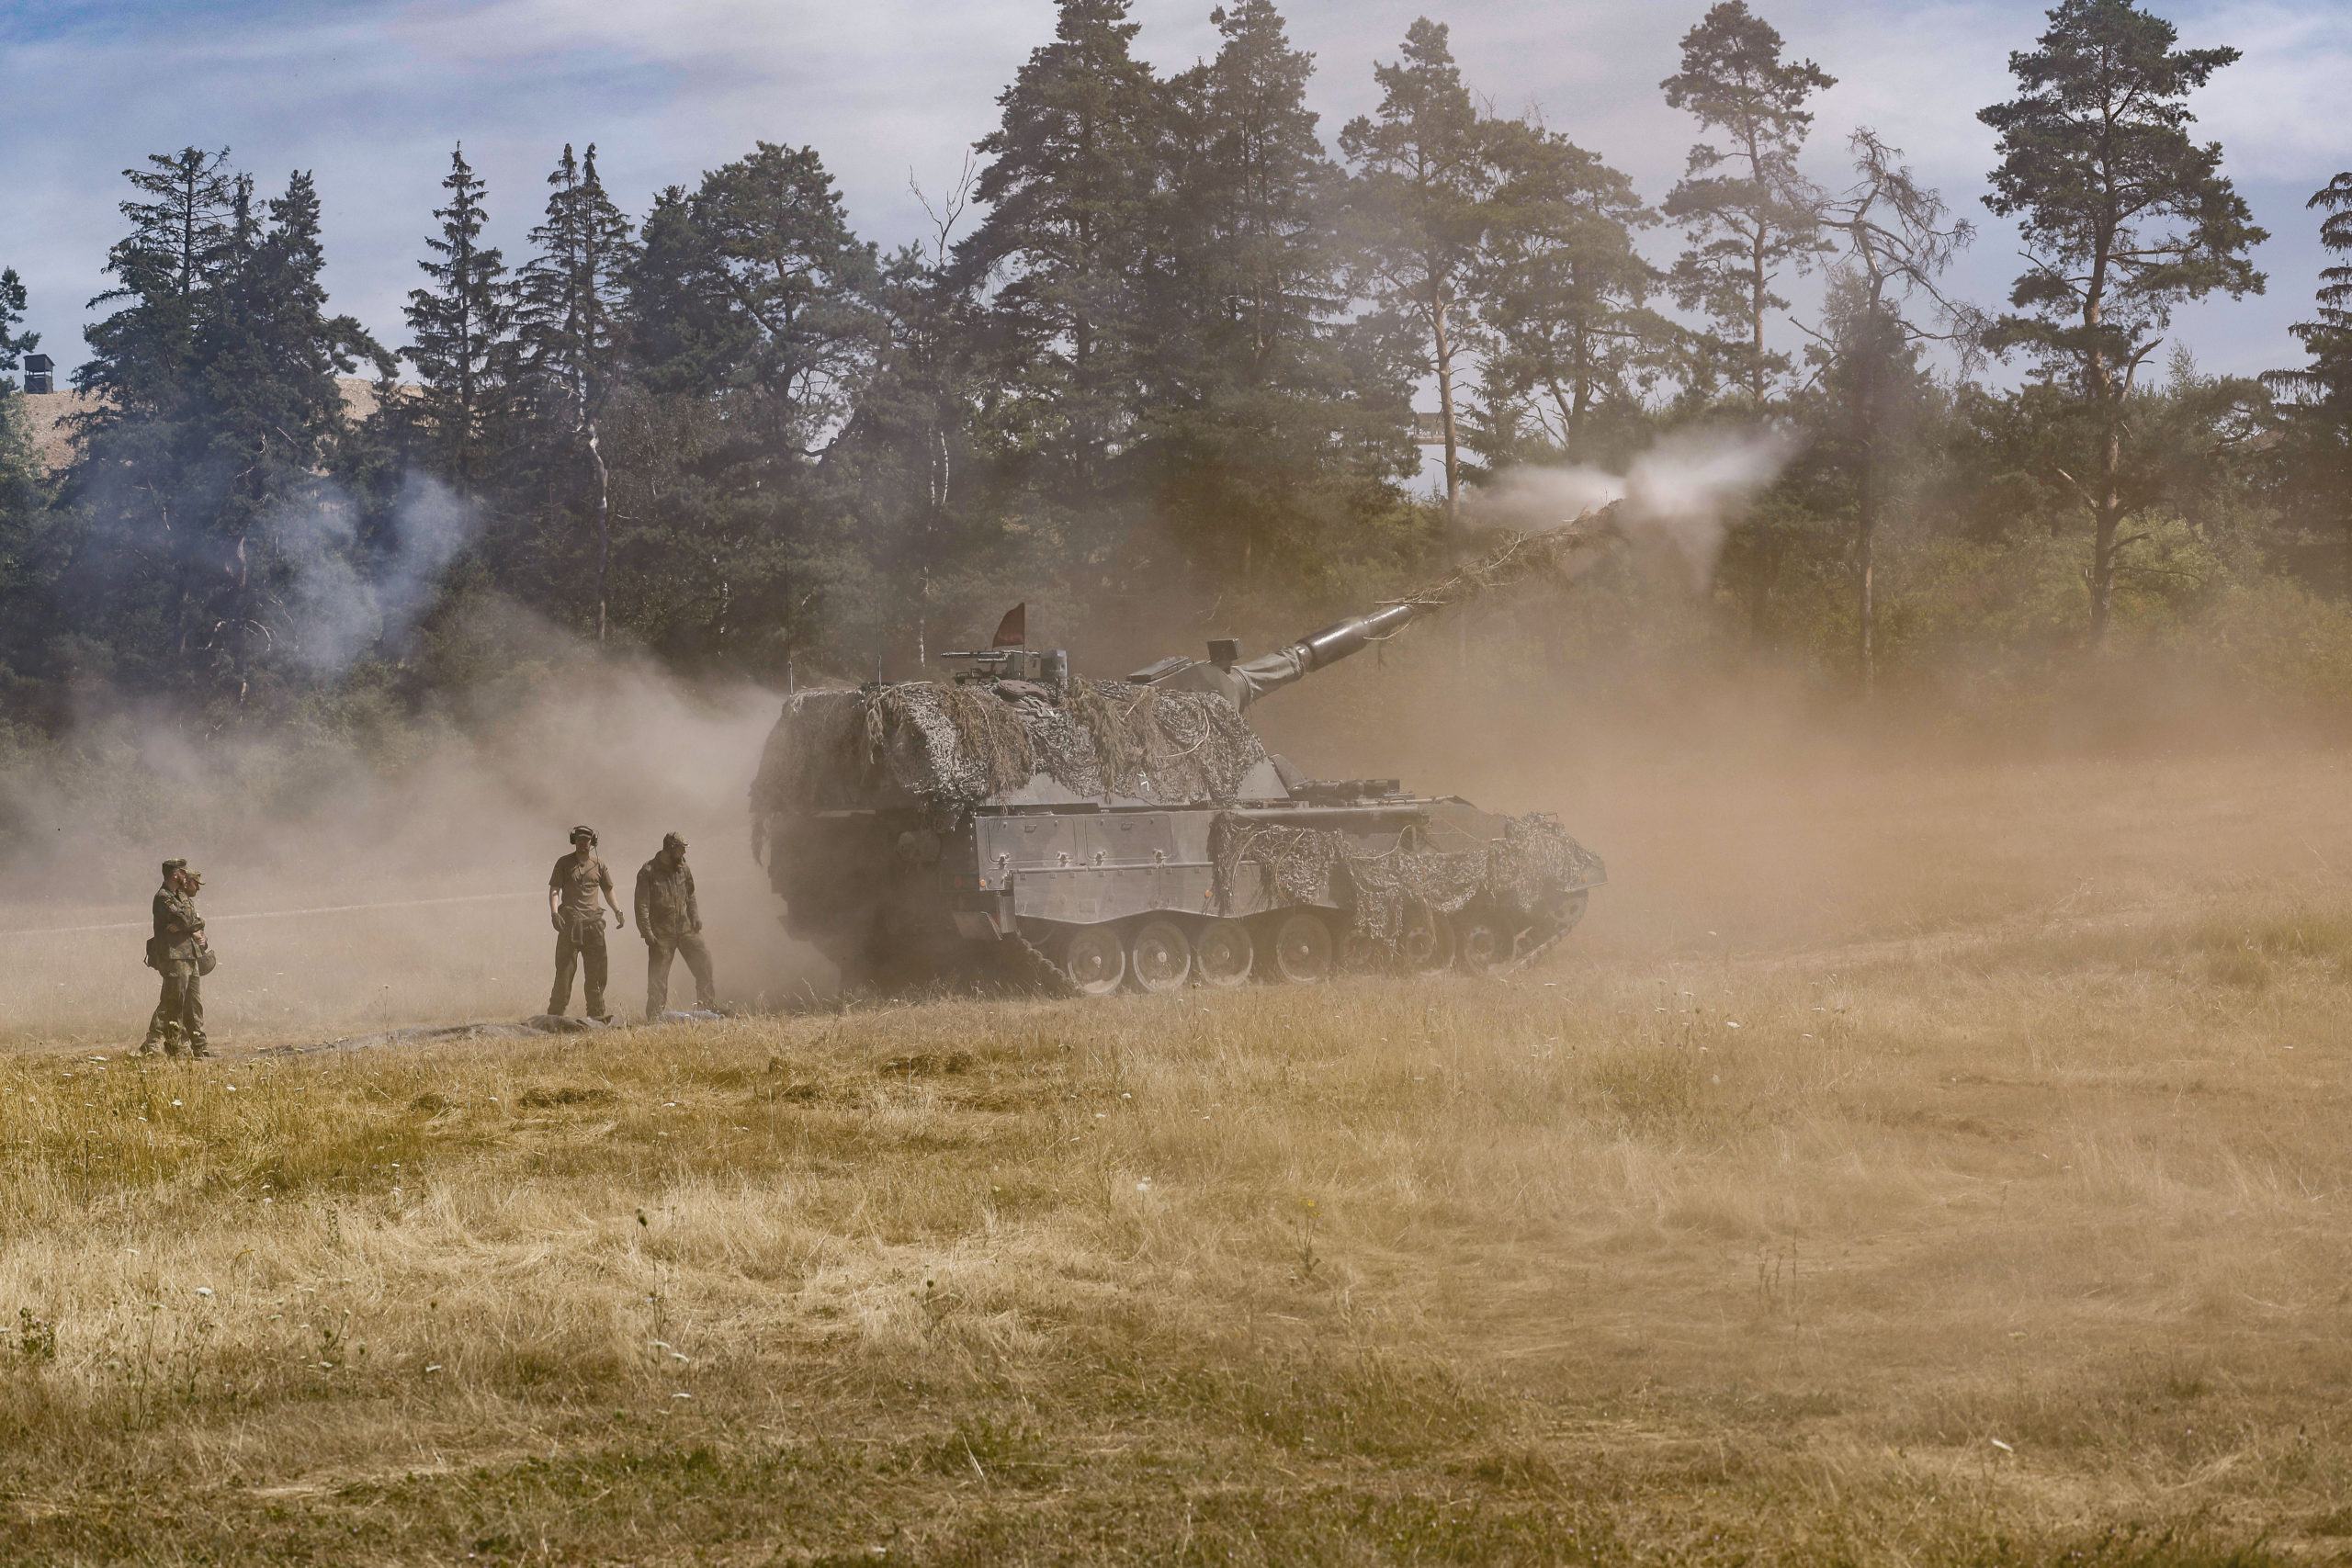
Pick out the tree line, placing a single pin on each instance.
(1160, 347)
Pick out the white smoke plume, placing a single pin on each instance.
(344, 602)
(1686, 491)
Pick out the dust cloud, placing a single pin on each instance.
(391, 881)
(1745, 813)
(1742, 812)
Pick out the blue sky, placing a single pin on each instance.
(371, 93)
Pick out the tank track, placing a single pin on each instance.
(1021, 960)
(1534, 946)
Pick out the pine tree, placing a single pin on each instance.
(460, 329)
(780, 255)
(757, 337)
(1564, 293)
(1070, 178)
(569, 321)
(1897, 241)
(686, 338)
(2122, 217)
(1749, 223)
(1420, 208)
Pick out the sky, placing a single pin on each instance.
(370, 95)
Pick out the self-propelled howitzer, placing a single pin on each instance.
(1091, 834)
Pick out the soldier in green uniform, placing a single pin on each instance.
(176, 952)
(572, 889)
(671, 923)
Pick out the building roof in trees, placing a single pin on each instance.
(46, 414)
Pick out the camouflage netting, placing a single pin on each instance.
(1558, 556)
(1534, 862)
(951, 747)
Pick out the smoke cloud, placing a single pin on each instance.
(1686, 491)
(345, 601)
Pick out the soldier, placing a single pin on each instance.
(671, 923)
(176, 952)
(572, 889)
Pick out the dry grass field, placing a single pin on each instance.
(1906, 1164)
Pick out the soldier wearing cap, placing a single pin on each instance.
(572, 890)
(671, 923)
(176, 952)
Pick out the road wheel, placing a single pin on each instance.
(1223, 953)
(1093, 959)
(1426, 944)
(1303, 948)
(1481, 941)
(1159, 956)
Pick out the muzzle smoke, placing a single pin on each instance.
(1686, 491)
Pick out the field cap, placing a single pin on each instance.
(583, 832)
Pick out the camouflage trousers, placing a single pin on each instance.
(658, 954)
(580, 945)
(179, 1013)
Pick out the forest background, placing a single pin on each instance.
(1155, 372)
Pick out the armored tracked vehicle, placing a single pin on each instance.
(1086, 835)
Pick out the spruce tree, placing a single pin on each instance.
(1262, 421)
(1420, 207)
(460, 331)
(141, 354)
(25, 620)
(270, 417)
(1071, 180)
(2123, 217)
(198, 472)
(13, 345)
(1748, 209)
(756, 341)
(142, 484)
(1250, 208)
(2318, 395)
(570, 319)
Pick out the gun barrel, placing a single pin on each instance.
(1353, 635)
(1519, 558)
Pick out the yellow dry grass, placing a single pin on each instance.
(1903, 1167)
